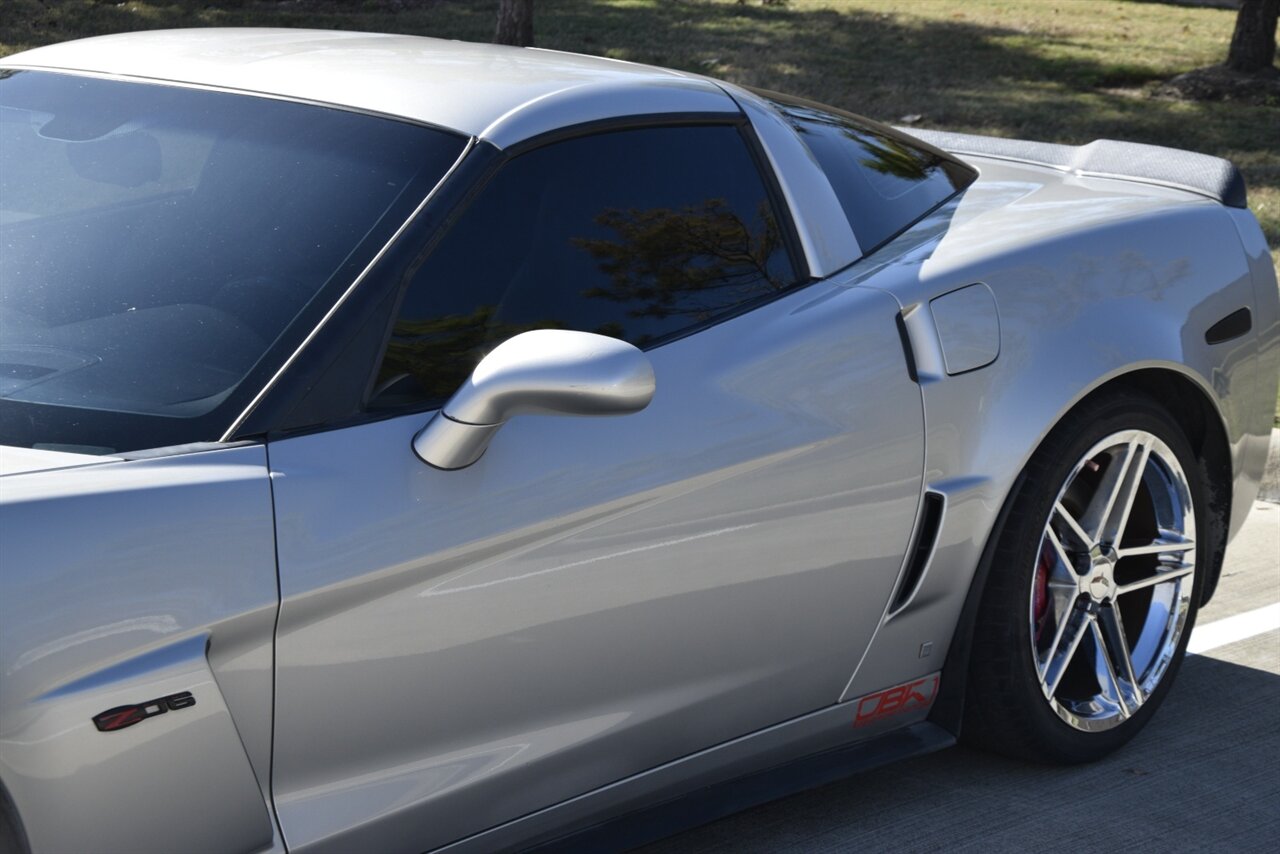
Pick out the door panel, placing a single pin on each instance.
(595, 596)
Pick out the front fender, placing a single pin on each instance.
(123, 584)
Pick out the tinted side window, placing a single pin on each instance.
(637, 234)
(884, 180)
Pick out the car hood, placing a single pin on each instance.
(26, 460)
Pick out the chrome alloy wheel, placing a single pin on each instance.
(1112, 587)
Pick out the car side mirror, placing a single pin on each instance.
(544, 372)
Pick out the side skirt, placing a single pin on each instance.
(718, 801)
(802, 753)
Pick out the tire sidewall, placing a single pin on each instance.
(1018, 553)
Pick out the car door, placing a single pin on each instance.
(593, 597)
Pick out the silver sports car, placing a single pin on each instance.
(922, 437)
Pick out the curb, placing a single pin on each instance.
(1270, 490)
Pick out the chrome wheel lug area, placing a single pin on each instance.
(1098, 580)
(1100, 587)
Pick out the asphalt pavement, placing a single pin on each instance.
(1203, 776)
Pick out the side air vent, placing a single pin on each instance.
(1234, 325)
(922, 551)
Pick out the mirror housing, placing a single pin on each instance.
(544, 372)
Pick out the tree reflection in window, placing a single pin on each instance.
(693, 263)
(436, 354)
(885, 180)
(639, 235)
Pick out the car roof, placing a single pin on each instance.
(501, 94)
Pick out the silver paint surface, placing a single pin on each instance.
(968, 327)
(826, 729)
(554, 372)
(541, 372)
(598, 612)
(114, 580)
(1094, 278)
(502, 94)
(21, 460)
(594, 597)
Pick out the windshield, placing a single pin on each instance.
(163, 249)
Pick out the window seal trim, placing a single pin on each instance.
(596, 127)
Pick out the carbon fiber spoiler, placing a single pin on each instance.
(1214, 177)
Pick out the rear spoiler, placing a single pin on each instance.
(1209, 176)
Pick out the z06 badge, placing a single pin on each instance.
(122, 717)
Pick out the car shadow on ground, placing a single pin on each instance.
(1202, 776)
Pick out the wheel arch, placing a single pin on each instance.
(1200, 419)
(1192, 405)
(13, 837)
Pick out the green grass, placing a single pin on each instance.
(1055, 70)
(1064, 71)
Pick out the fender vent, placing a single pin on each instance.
(1234, 325)
(922, 551)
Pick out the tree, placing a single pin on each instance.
(1249, 75)
(1253, 45)
(515, 23)
(692, 262)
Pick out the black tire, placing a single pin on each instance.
(1006, 710)
(12, 840)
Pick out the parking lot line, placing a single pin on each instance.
(1235, 628)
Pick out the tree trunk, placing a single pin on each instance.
(1253, 45)
(515, 23)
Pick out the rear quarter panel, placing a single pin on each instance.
(1093, 279)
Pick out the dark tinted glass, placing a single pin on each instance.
(156, 243)
(884, 180)
(637, 234)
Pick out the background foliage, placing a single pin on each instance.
(1056, 70)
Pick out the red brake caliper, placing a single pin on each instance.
(1040, 604)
